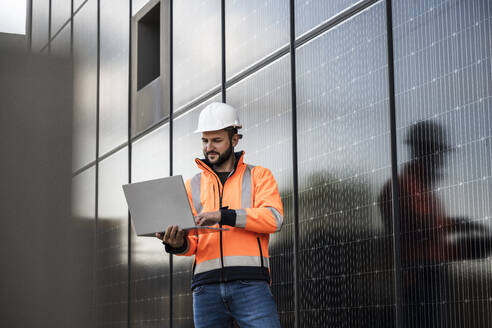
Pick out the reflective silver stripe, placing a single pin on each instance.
(246, 187)
(195, 192)
(241, 218)
(278, 217)
(231, 261)
(245, 197)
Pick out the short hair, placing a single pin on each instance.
(231, 131)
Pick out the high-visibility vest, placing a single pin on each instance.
(240, 253)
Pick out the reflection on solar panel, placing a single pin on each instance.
(442, 66)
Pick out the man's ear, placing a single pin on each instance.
(235, 140)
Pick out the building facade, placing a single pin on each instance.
(351, 104)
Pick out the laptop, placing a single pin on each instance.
(157, 204)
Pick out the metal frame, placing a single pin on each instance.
(223, 49)
(98, 84)
(71, 30)
(394, 166)
(295, 178)
(49, 27)
(171, 110)
(131, 56)
(29, 25)
(69, 21)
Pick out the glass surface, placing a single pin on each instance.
(112, 242)
(345, 260)
(84, 195)
(60, 14)
(263, 101)
(196, 49)
(254, 29)
(85, 85)
(40, 21)
(150, 155)
(60, 45)
(186, 147)
(311, 13)
(82, 234)
(150, 263)
(113, 124)
(443, 85)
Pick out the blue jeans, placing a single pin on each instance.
(249, 302)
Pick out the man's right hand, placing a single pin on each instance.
(174, 236)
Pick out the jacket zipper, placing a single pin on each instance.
(219, 184)
(261, 253)
(220, 231)
(220, 224)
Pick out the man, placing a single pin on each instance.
(231, 269)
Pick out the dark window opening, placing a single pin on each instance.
(148, 66)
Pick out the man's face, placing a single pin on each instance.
(217, 146)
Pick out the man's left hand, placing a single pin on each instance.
(208, 218)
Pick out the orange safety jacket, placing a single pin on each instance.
(251, 209)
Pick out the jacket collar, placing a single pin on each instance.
(205, 165)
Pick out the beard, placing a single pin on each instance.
(222, 157)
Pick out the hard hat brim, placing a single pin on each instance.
(207, 130)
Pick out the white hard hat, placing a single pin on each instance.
(218, 116)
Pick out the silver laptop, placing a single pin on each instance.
(157, 204)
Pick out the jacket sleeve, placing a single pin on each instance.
(191, 242)
(266, 213)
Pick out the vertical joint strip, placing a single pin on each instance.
(29, 25)
(171, 99)
(223, 48)
(71, 31)
(98, 69)
(394, 167)
(171, 104)
(96, 216)
(49, 26)
(223, 45)
(130, 54)
(294, 161)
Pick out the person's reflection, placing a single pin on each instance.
(428, 236)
